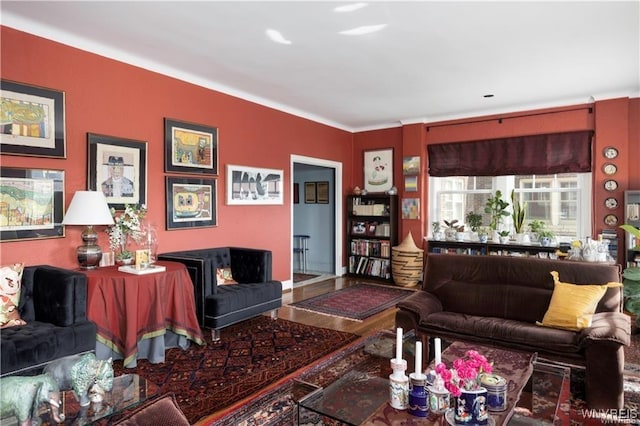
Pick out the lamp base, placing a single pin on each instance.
(89, 254)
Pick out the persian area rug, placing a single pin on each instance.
(358, 302)
(248, 357)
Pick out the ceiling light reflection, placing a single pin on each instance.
(350, 7)
(276, 36)
(366, 29)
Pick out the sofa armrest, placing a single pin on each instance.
(608, 326)
(250, 265)
(419, 305)
(59, 296)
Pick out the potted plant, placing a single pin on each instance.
(504, 236)
(545, 237)
(518, 214)
(536, 226)
(496, 208)
(451, 230)
(437, 232)
(474, 220)
(483, 234)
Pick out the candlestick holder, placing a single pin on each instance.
(418, 405)
(399, 385)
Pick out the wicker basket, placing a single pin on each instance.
(407, 261)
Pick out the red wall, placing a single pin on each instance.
(112, 98)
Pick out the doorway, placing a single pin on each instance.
(319, 219)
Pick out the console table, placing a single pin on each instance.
(138, 316)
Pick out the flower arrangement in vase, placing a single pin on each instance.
(463, 381)
(126, 224)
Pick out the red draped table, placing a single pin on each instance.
(137, 316)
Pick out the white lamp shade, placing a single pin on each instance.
(88, 208)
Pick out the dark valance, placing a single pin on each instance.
(522, 155)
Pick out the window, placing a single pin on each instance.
(562, 201)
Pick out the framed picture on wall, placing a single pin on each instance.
(190, 148)
(310, 193)
(378, 170)
(32, 204)
(118, 168)
(32, 120)
(322, 192)
(411, 166)
(191, 203)
(254, 185)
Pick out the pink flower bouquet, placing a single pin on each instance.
(465, 373)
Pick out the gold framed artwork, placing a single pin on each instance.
(310, 193)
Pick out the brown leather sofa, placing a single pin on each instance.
(497, 300)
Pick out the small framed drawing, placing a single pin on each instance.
(254, 185)
(32, 121)
(191, 203)
(32, 204)
(310, 196)
(190, 148)
(411, 166)
(378, 170)
(322, 192)
(118, 167)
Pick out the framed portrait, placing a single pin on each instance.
(32, 120)
(118, 167)
(32, 204)
(190, 148)
(411, 166)
(378, 170)
(310, 193)
(322, 192)
(254, 185)
(191, 203)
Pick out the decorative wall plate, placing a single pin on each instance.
(609, 169)
(610, 185)
(611, 203)
(611, 220)
(610, 152)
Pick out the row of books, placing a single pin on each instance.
(372, 266)
(375, 248)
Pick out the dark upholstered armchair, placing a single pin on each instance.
(218, 306)
(53, 302)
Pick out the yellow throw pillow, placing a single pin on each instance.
(572, 306)
(224, 277)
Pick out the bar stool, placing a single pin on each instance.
(301, 247)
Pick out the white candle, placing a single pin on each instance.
(437, 350)
(399, 344)
(418, 357)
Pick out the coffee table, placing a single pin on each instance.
(360, 395)
(128, 391)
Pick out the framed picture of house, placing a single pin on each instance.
(118, 168)
(32, 120)
(378, 170)
(191, 202)
(254, 185)
(32, 204)
(190, 148)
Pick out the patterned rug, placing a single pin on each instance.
(249, 356)
(357, 302)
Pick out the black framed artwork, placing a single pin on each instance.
(191, 202)
(190, 148)
(32, 120)
(118, 168)
(33, 203)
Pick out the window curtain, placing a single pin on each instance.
(522, 155)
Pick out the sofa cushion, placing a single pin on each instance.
(502, 331)
(224, 276)
(572, 306)
(10, 289)
(240, 296)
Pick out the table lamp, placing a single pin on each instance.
(88, 208)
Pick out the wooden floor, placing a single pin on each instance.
(381, 321)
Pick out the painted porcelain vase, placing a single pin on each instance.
(471, 407)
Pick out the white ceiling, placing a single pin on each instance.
(432, 61)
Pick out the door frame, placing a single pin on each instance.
(337, 202)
